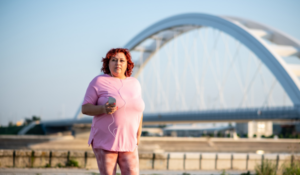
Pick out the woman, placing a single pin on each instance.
(116, 127)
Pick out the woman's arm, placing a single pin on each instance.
(90, 109)
(139, 131)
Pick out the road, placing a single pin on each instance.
(66, 171)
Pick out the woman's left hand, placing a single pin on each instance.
(139, 131)
(138, 141)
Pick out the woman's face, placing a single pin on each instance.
(118, 65)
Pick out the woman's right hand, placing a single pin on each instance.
(110, 108)
(93, 110)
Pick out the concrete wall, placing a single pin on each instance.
(6, 158)
(22, 158)
(176, 161)
(158, 161)
(239, 161)
(208, 161)
(146, 160)
(192, 161)
(91, 162)
(253, 160)
(41, 158)
(224, 161)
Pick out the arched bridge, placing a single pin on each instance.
(169, 103)
(269, 45)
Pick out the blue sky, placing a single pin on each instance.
(50, 50)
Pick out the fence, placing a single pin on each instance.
(148, 161)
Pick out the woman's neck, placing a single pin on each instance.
(120, 77)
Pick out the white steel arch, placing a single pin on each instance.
(247, 32)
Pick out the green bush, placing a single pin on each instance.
(59, 165)
(248, 173)
(72, 163)
(267, 167)
(224, 172)
(292, 170)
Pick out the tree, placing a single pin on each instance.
(33, 118)
(10, 123)
(36, 118)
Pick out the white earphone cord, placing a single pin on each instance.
(112, 132)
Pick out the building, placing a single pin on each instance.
(255, 129)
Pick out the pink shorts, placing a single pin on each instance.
(108, 160)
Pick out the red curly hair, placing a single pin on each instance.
(113, 52)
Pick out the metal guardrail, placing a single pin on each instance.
(249, 114)
(276, 113)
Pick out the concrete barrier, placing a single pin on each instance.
(40, 158)
(6, 158)
(192, 161)
(23, 158)
(91, 162)
(239, 161)
(176, 161)
(284, 160)
(208, 161)
(160, 161)
(59, 158)
(146, 161)
(271, 158)
(78, 156)
(254, 159)
(223, 161)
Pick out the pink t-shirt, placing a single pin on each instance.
(117, 131)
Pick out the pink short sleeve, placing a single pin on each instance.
(117, 131)
(91, 95)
